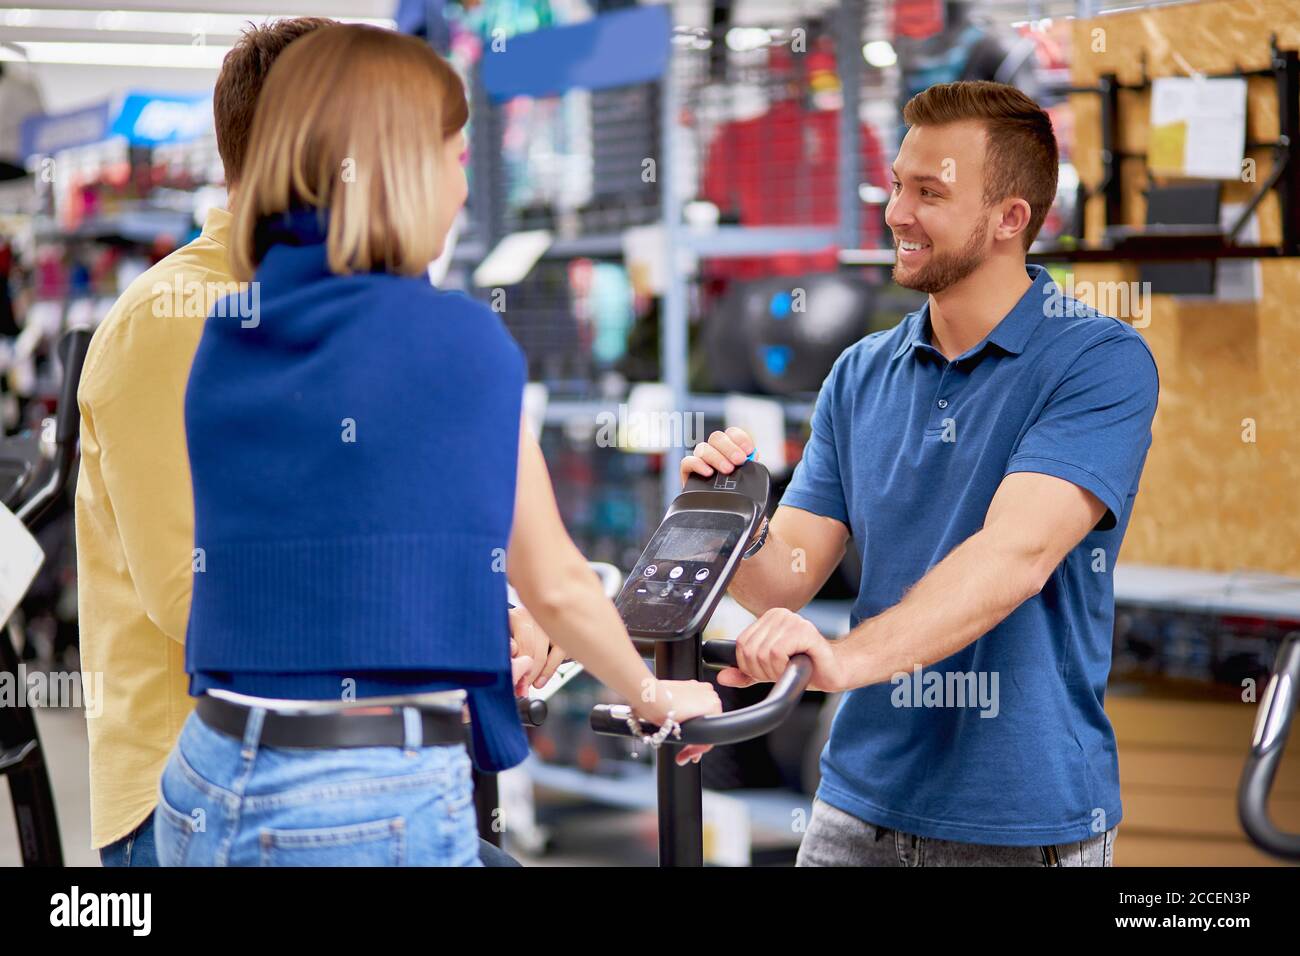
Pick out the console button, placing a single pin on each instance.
(650, 570)
(701, 574)
(676, 572)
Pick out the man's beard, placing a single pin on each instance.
(947, 269)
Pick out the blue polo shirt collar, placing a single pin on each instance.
(1011, 334)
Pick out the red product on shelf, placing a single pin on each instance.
(781, 169)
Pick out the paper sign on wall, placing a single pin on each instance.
(1198, 127)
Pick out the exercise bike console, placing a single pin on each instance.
(685, 569)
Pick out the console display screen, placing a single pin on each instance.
(682, 573)
(691, 544)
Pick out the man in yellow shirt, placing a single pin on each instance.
(135, 509)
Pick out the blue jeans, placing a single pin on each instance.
(135, 849)
(138, 848)
(223, 802)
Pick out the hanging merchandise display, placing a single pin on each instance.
(939, 41)
(781, 168)
(602, 304)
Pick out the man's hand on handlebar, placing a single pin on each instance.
(686, 699)
(529, 642)
(764, 649)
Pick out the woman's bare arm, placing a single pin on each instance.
(565, 596)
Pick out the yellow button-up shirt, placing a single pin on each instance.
(135, 525)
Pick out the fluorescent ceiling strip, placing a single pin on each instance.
(151, 21)
(157, 55)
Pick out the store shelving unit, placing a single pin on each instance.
(678, 93)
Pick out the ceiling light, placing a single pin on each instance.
(744, 39)
(879, 53)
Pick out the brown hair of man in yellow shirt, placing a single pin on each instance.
(135, 513)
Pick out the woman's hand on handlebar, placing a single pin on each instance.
(686, 699)
(519, 668)
(724, 452)
(528, 640)
(764, 649)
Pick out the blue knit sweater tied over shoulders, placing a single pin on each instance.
(353, 442)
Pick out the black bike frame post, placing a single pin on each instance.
(681, 801)
(487, 803)
(22, 764)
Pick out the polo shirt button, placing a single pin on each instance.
(943, 403)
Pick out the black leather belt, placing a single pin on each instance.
(328, 731)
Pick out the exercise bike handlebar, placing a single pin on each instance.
(532, 712)
(67, 425)
(744, 724)
(1272, 727)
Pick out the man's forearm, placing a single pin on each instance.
(959, 600)
(774, 577)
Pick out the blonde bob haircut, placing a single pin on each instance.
(352, 120)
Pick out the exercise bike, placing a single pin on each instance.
(30, 484)
(1272, 727)
(666, 603)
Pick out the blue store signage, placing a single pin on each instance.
(143, 119)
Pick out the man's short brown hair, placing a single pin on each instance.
(243, 71)
(1020, 157)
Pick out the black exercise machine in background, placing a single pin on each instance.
(31, 484)
(1272, 727)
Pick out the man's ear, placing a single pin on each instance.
(1015, 219)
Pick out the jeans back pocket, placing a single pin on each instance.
(376, 843)
(172, 832)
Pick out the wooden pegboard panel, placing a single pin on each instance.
(1208, 499)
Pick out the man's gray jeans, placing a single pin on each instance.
(836, 838)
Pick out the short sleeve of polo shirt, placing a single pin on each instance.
(817, 484)
(1095, 429)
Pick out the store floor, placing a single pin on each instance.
(602, 838)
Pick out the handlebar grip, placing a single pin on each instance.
(744, 724)
(1272, 727)
(718, 653)
(532, 713)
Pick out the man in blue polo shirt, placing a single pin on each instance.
(983, 456)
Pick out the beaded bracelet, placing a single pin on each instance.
(655, 741)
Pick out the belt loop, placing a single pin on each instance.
(414, 735)
(252, 732)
